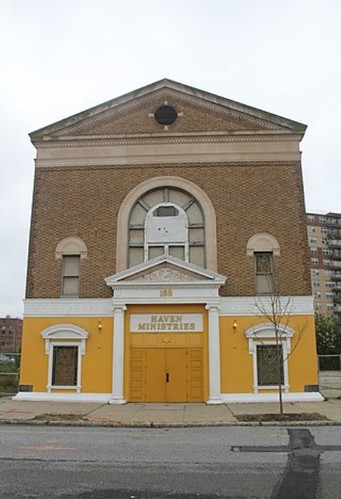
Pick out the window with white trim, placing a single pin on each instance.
(65, 346)
(264, 273)
(269, 362)
(167, 221)
(65, 365)
(71, 250)
(70, 275)
(269, 354)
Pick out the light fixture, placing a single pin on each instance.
(99, 326)
(235, 326)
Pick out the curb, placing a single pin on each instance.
(120, 424)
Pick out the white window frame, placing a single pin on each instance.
(263, 335)
(64, 335)
(165, 245)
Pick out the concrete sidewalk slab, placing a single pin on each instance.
(11, 409)
(180, 414)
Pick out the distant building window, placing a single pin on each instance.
(317, 294)
(313, 249)
(323, 220)
(329, 284)
(316, 283)
(324, 240)
(311, 228)
(315, 272)
(314, 261)
(325, 251)
(324, 230)
(264, 273)
(326, 262)
(312, 239)
(311, 218)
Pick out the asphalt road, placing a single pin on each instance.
(230, 462)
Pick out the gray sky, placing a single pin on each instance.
(60, 57)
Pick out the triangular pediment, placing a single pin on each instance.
(165, 270)
(197, 112)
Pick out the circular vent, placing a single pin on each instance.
(165, 115)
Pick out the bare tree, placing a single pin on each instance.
(277, 310)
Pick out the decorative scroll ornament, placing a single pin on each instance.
(166, 275)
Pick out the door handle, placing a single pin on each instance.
(167, 377)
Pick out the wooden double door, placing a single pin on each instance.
(166, 375)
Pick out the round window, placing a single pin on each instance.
(165, 115)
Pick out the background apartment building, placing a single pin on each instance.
(324, 235)
(10, 334)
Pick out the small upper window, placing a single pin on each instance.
(166, 211)
(70, 276)
(264, 273)
(71, 251)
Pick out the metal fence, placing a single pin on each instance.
(9, 371)
(329, 362)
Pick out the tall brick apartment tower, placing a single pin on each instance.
(161, 219)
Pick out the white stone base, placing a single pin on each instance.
(117, 401)
(226, 398)
(242, 398)
(100, 398)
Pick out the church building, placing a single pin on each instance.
(168, 257)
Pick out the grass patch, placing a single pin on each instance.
(266, 418)
(58, 417)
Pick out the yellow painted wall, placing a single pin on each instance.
(173, 340)
(96, 363)
(237, 362)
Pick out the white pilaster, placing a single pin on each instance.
(118, 356)
(214, 354)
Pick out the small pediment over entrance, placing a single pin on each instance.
(165, 270)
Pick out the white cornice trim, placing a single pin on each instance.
(103, 307)
(63, 307)
(167, 138)
(247, 305)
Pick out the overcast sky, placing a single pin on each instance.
(60, 57)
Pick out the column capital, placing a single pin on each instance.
(117, 309)
(213, 306)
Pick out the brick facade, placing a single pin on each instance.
(149, 214)
(10, 334)
(251, 198)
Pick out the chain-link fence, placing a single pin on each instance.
(9, 371)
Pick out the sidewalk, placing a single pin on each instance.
(181, 414)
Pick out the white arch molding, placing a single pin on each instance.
(159, 182)
(71, 245)
(262, 242)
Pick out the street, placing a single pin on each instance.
(231, 462)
